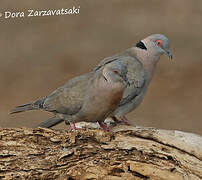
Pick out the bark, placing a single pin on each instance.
(127, 153)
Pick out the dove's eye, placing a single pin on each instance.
(159, 42)
(115, 71)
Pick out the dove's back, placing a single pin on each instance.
(68, 99)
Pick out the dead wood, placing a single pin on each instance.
(127, 153)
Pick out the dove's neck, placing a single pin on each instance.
(148, 58)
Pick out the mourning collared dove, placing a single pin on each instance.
(140, 60)
(103, 94)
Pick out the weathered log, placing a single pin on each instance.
(127, 153)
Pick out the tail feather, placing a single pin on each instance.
(22, 108)
(30, 106)
(50, 122)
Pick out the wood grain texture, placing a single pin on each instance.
(127, 153)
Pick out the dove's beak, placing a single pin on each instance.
(169, 54)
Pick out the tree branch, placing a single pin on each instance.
(127, 153)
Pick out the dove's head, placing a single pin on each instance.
(115, 71)
(155, 44)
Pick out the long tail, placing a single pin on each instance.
(22, 108)
(50, 122)
(30, 106)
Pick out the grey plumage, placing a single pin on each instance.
(140, 61)
(50, 122)
(136, 75)
(90, 97)
(29, 106)
(103, 95)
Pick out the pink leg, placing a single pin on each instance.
(116, 119)
(104, 126)
(123, 119)
(73, 127)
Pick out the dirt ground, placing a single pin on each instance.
(39, 54)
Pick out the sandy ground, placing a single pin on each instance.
(39, 54)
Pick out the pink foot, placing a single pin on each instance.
(123, 119)
(104, 127)
(117, 119)
(73, 127)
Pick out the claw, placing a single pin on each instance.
(104, 127)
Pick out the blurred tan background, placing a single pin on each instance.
(39, 54)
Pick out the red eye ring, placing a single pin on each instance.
(159, 42)
(115, 71)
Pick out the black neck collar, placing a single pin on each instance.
(141, 45)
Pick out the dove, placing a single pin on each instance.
(140, 60)
(103, 94)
